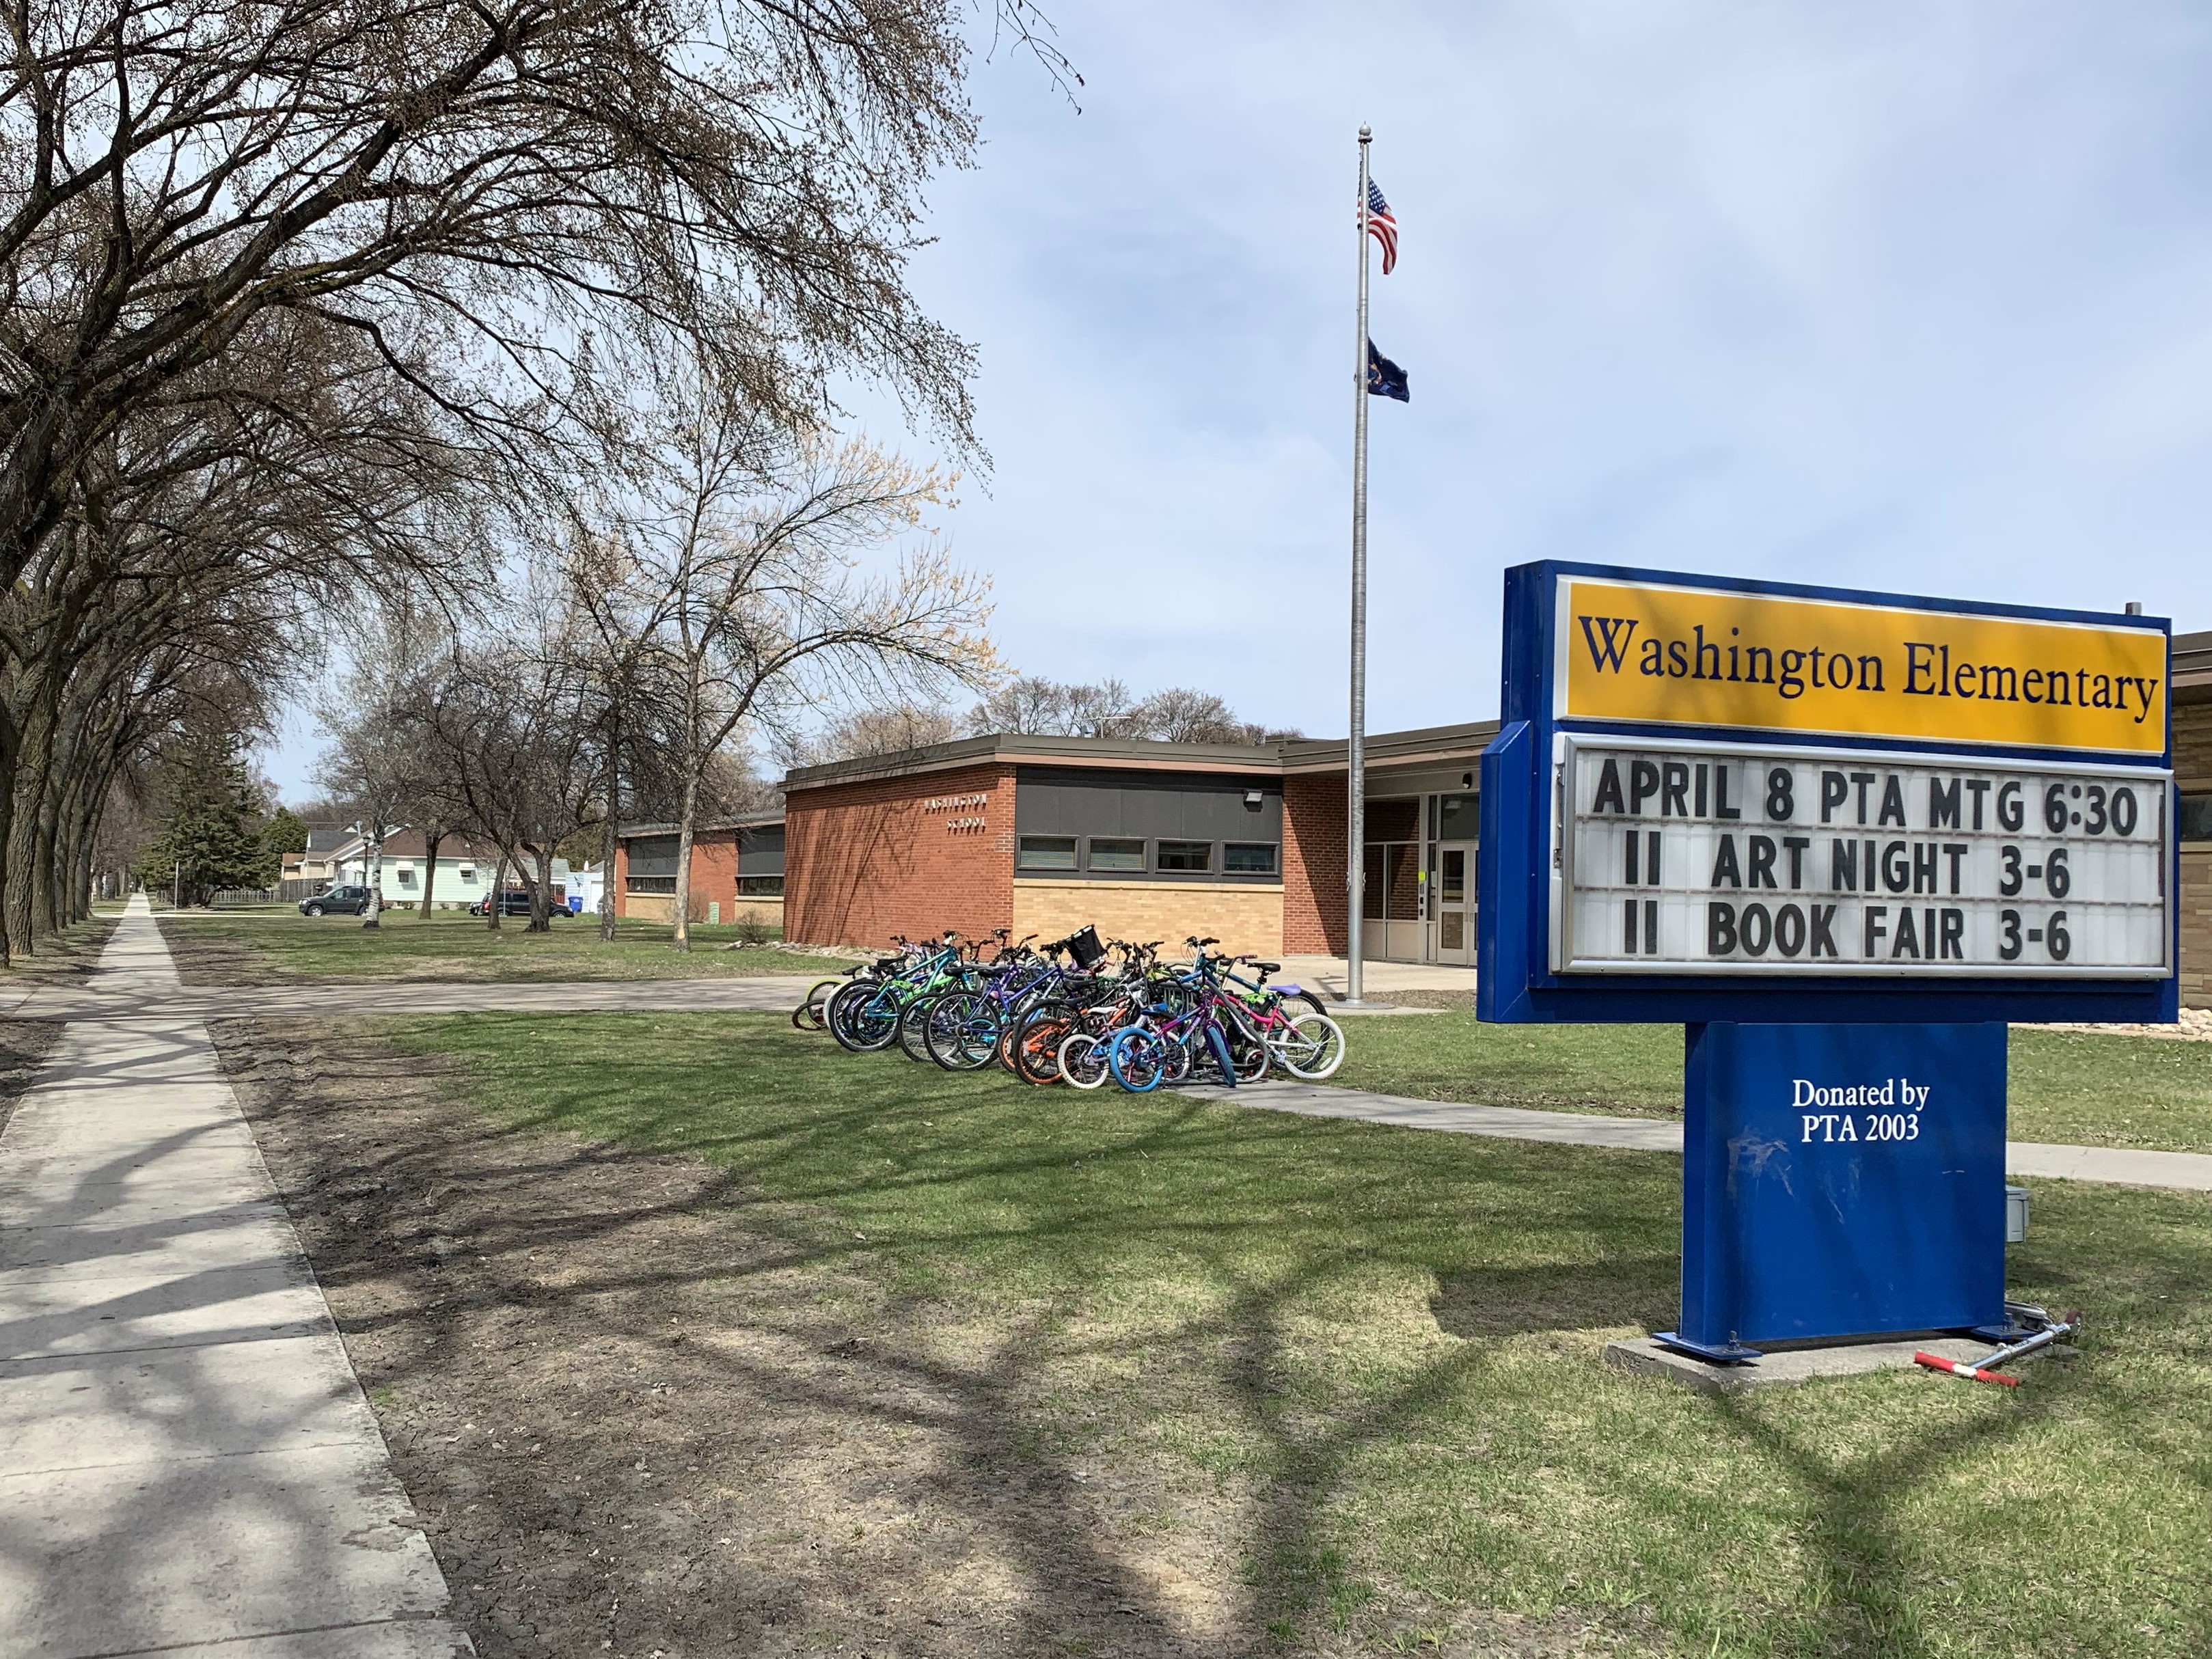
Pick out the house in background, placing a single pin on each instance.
(466, 869)
(314, 864)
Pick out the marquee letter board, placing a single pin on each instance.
(1842, 838)
(1746, 800)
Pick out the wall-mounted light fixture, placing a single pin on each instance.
(1254, 799)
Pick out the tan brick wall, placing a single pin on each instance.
(2196, 907)
(661, 907)
(2192, 771)
(865, 860)
(1312, 865)
(1245, 919)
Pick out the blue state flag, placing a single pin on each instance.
(1384, 378)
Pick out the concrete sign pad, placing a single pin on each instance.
(1782, 1368)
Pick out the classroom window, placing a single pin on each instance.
(1114, 853)
(1249, 857)
(1184, 855)
(1047, 852)
(2196, 817)
(758, 886)
(653, 884)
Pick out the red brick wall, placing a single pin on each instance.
(865, 860)
(714, 877)
(1313, 866)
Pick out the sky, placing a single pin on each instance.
(1912, 297)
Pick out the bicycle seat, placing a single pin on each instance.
(1268, 967)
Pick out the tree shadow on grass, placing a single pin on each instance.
(1485, 1302)
(817, 1390)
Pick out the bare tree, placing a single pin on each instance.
(1040, 706)
(869, 732)
(759, 599)
(421, 238)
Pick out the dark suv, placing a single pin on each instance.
(338, 902)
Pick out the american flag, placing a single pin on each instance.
(1381, 225)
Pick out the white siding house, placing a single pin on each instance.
(465, 872)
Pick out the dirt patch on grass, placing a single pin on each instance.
(60, 958)
(24, 1046)
(206, 958)
(637, 1413)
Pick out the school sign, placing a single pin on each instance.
(1842, 838)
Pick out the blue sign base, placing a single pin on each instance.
(1840, 1180)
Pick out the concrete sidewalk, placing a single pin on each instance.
(2115, 1166)
(187, 1465)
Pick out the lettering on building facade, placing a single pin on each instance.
(967, 822)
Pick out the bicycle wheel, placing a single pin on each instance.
(960, 1032)
(812, 1014)
(862, 1018)
(1082, 1060)
(1312, 1048)
(1135, 1059)
(912, 1030)
(1251, 1057)
(1035, 1042)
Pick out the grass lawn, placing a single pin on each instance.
(1372, 1354)
(284, 947)
(2068, 1088)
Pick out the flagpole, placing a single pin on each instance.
(1356, 753)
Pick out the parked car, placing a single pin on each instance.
(338, 902)
(514, 901)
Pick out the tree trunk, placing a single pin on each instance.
(541, 901)
(611, 842)
(682, 907)
(496, 892)
(27, 804)
(373, 916)
(52, 884)
(431, 836)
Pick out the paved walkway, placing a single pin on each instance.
(2191, 1171)
(187, 1465)
(1327, 975)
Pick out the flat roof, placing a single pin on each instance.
(1123, 754)
(1425, 745)
(743, 821)
(2192, 664)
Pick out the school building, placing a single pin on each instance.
(1157, 841)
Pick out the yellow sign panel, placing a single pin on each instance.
(1691, 656)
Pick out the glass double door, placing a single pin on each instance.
(1417, 903)
(1451, 901)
